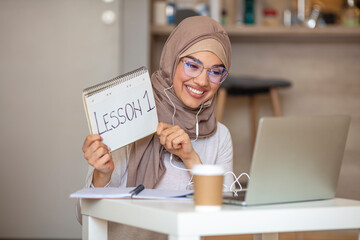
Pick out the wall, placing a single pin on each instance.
(135, 34)
(49, 52)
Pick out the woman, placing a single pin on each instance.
(195, 61)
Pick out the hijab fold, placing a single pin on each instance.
(146, 164)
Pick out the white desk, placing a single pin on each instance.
(180, 221)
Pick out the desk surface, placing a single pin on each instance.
(178, 217)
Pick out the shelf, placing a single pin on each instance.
(280, 33)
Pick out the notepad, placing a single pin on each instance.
(112, 192)
(121, 110)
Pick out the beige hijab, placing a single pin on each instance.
(146, 164)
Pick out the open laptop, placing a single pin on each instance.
(295, 159)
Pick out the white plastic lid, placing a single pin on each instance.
(208, 170)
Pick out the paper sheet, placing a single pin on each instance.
(111, 192)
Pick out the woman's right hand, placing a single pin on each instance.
(98, 155)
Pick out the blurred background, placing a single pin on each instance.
(51, 50)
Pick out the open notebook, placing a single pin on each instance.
(121, 110)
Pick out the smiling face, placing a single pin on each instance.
(195, 91)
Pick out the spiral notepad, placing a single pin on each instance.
(121, 110)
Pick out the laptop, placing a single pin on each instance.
(294, 159)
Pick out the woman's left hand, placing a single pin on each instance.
(177, 141)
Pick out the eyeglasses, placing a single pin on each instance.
(193, 68)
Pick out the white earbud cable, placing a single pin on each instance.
(232, 186)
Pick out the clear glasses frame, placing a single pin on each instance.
(193, 68)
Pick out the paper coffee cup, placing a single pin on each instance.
(208, 185)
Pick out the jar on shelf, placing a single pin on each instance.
(270, 17)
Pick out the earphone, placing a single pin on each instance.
(232, 186)
(226, 188)
(173, 123)
(173, 116)
(197, 124)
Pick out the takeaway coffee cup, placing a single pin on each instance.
(208, 185)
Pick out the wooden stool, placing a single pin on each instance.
(250, 86)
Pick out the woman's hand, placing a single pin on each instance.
(177, 141)
(98, 155)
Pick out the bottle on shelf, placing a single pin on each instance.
(249, 9)
(314, 16)
(351, 14)
(239, 19)
(224, 17)
(287, 14)
(170, 11)
(159, 13)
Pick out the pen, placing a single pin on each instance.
(137, 190)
